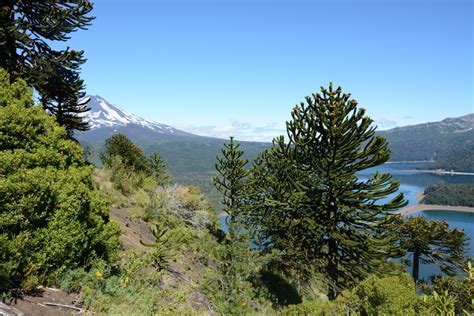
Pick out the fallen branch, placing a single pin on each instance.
(79, 310)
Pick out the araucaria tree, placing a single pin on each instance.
(231, 179)
(309, 202)
(432, 242)
(238, 261)
(27, 28)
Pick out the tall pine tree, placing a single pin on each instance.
(26, 30)
(308, 201)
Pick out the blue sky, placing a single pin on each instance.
(222, 68)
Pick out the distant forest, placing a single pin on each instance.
(458, 160)
(450, 194)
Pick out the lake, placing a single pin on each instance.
(413, 181)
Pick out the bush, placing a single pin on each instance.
(394, 295)
(51, 217)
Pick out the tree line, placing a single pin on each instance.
(303, 199)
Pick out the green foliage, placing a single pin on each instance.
(461, 289)
(131, 288)
(123, 178)
(129, 166)
(51, 217)
(308, 201)
(432, 141)
(230, 179)
(130, 154)
(231, 287)
(17, 93)
(159, 169)
(163, 247)
(432, 242)
(450, 194)
(458, 159)
(394, 295)
(27, 31)
(440, 304)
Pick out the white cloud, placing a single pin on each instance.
(240, 130)
(383, 123)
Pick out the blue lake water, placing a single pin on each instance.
(413, 181)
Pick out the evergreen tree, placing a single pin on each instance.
(238, 261)
(159, 169)
(230, 181)
(308, 201)
(62, 89)
(26, 30)
(432, 242)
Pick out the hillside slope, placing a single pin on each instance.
(192, 157)
(430, 141)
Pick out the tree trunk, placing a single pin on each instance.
(332, 268)
(8, 55)
(416, 265)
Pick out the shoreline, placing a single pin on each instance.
(440, 172)
(419, 207)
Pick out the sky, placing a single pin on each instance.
(237, 68)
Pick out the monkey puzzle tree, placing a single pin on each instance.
(230, 181)
(308, 201)
(27, 29)
(432, 242)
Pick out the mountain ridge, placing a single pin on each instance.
(192, 157)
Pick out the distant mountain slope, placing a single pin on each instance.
(430, 141)
(460, 159)
(191, 157)
(103, 114)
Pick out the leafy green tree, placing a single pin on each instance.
(27, 30)
(432, 242)
(131, 155)
(51, 217)
(308, 201)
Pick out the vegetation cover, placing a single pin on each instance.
(28, 32)
(51, 217)
(450, 194)
(306, 200)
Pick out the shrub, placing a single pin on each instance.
(393, 295)
(51, 217)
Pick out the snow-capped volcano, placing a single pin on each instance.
(104, 114)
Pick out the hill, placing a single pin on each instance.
(430, 141)
(192, 157)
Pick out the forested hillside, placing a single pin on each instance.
(450, 194)
(303, 232)
(460, 159)
(431, 141)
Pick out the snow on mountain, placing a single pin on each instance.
(105, 114)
